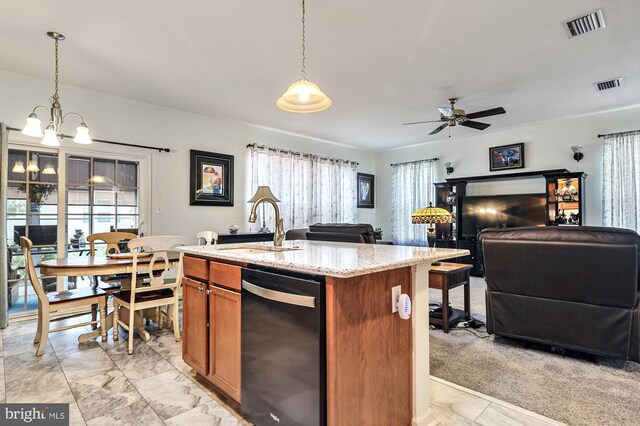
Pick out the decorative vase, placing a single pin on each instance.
(233, 229)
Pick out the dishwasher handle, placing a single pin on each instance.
(279, 296)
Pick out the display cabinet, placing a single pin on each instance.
(565, 199)
(449, 197)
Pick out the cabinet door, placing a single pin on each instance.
(224, 340)
(194, 324)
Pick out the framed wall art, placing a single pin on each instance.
(506, 157)
(365, 190)
(211, 179)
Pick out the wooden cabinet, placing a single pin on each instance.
(224, 340)
(449, 197)
(194, 324)
(565, 198)
(211, 322)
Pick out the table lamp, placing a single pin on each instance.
(262, 192)
(431, 215)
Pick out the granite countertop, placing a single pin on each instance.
(333, 259)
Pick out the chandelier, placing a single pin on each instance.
(51, 132)
(303, 96)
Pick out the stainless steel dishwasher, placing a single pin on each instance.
(283, 348)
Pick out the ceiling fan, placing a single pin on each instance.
(451, 116)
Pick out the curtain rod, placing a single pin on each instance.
(416, 161)
(618, 133)
(255, 145)
(108, 142)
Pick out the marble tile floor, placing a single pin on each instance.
(106, 386)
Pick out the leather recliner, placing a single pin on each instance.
(574, 288)
(342, 232)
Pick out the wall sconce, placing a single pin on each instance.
(449, 169)
(577, 152)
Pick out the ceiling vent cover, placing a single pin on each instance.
(586, 24)
(608, 84)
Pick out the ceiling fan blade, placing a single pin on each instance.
(446, 111)
(439, 129)
(486, 113)
(422, 122)
(475, 124)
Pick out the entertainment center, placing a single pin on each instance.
(560, 203)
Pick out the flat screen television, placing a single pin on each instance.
(501, 211)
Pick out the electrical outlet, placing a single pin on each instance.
(395, 296)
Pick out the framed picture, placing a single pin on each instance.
(506, 157)
(211, 179)
(365, 190)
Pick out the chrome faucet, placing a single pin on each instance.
(278, 235)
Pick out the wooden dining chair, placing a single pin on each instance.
(161, 290)
(52, 302)
(207, 238)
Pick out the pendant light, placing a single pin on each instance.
(18, 167)
(50, 135)
(48, 170)
(32, 166)
(303, 96)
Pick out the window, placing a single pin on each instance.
(412, 188)
(311, 189)
(102, 194)
(621, 181)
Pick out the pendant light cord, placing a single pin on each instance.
(304, 71)
(55, 95)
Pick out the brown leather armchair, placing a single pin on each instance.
(339, 232)
(573, 288)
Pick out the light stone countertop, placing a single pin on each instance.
(342, 260)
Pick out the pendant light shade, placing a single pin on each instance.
(18, 167)
(50, 138)
(33, 127)
(49, 170)
(82, 135)
(32, 166)
(303, 97)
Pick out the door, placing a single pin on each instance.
(224, 340)
(194, 324)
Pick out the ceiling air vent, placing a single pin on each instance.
(608, 84)
(586, 24)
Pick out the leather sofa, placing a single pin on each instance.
(573, 288)
(341, 232)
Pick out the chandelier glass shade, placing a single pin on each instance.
(51, 134)
(303, 96)
(18, 167)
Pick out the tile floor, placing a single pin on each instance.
(106, 386)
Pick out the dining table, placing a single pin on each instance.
(95, 266)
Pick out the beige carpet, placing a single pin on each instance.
(567, 389)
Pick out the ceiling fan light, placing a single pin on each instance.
(32, 128)
(18, 167)
(32, 166)
(303, 96)
(50, 138)
(82, 135)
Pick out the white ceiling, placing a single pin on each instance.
(382, 62)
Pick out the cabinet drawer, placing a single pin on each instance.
(224, 275)
(196, 268)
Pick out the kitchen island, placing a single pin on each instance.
(376, 364)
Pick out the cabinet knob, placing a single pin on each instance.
(208, 292)
(200, 289)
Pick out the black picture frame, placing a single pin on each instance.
(211, 179)
(366, 190)
(506, 157)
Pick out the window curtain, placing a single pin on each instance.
(4, 171)
(412, 188)
(311, 189)
(621, 180)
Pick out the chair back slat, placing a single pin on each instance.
(112, 239)
(30, 268)
(207, 238)
(159, 246)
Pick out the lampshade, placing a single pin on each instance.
(49, 170)
(32, 166)
(32, 128)
(263, 191)
(431, 215)
(18, 167)
(82, 135)
(50, 138)
(303, 96)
